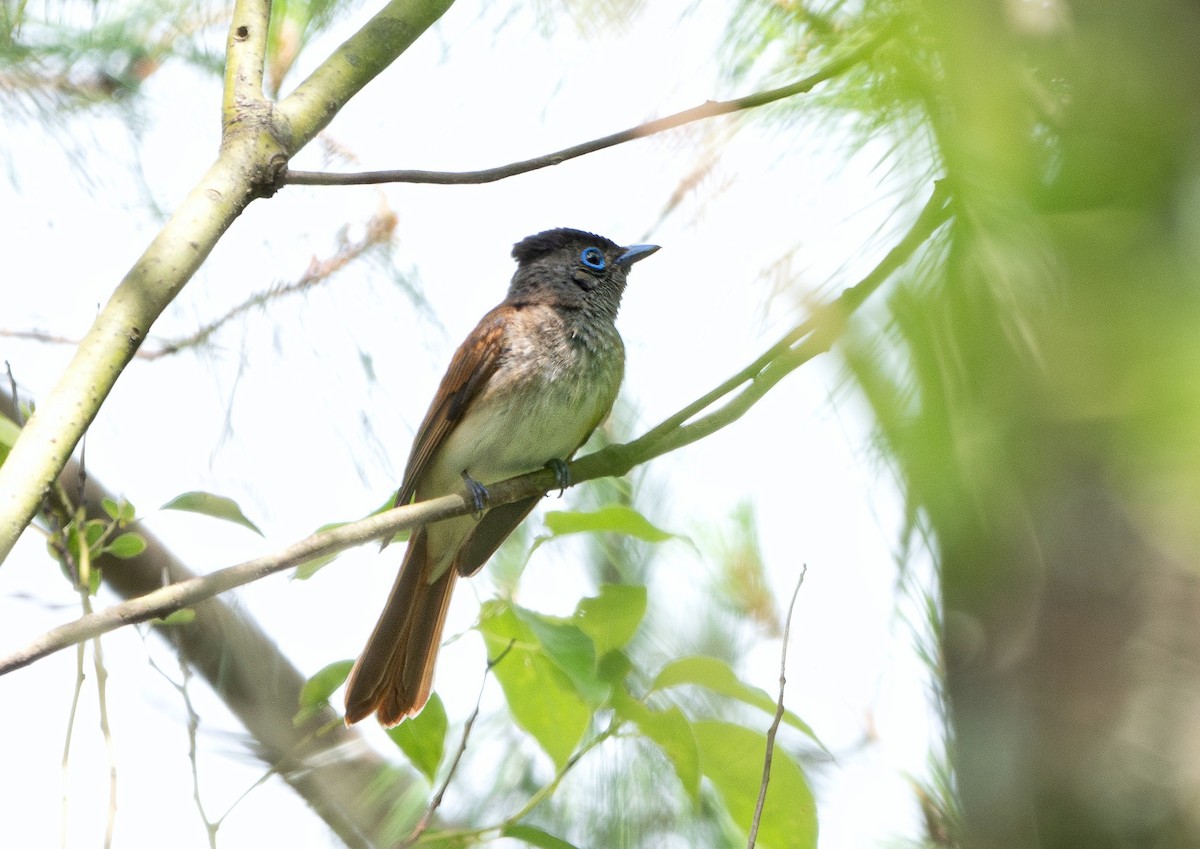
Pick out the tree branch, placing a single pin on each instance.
(378, 232)
(806, 341)
(327, 764)
(709, 109)
(357, 61)
(256, 143)
(245, 54)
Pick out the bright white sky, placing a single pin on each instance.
(272, 414)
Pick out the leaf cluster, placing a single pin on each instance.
(572, 687)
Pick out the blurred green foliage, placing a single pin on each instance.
(1036, 382)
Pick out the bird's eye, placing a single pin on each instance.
(593, 258)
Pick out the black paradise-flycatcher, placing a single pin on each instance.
(524, 390)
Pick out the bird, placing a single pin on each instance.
(524, 390)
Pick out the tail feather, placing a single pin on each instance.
(394, 675)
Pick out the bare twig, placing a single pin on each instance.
(803, 343)
(36, 336)
(66, 756)
(379, 230)
(106, 732)
(548, 790)
(436, 802)
(709, 109)
(779, 711)
(193, 726)
(543, 793)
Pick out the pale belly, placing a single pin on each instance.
(514, 431)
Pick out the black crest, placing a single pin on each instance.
(531, 247)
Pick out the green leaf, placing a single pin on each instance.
(543, 699)
(731, 757)
(214, 506)
(93, 530)
(534, 836)
(615, 518)
(611, 618)
(111, 508)
(400, 536)
(570, 649)
(310, 567)
(9, 431)
(119, 511)
(423, 738)
(126, 546)
(317, 689)
(315, 693)
(178, 617)
(715, 675)
(614, 667)
(671, 731)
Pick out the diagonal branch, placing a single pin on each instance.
(357, 61)
(328, 765)
(809, 339)
(709, 109)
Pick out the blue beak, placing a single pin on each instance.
(633, 253)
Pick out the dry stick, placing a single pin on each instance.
(709, 109)
(779, 710)
(800, 345)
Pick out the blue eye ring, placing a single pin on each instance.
(593, 258)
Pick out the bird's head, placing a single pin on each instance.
(573, 269)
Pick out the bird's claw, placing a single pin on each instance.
(478, 493)
(562, 475)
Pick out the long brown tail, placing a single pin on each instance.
(395, 672)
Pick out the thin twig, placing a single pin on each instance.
(379, 232)
(779, 711)
(548, 790)
(36, 336)
(66, 756)
(436, 801)
(815, 337)
(544, 792)
(106, 733)
(193, 726)
(708, 109)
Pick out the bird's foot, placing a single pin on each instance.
(562, 475)
(478, 493)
